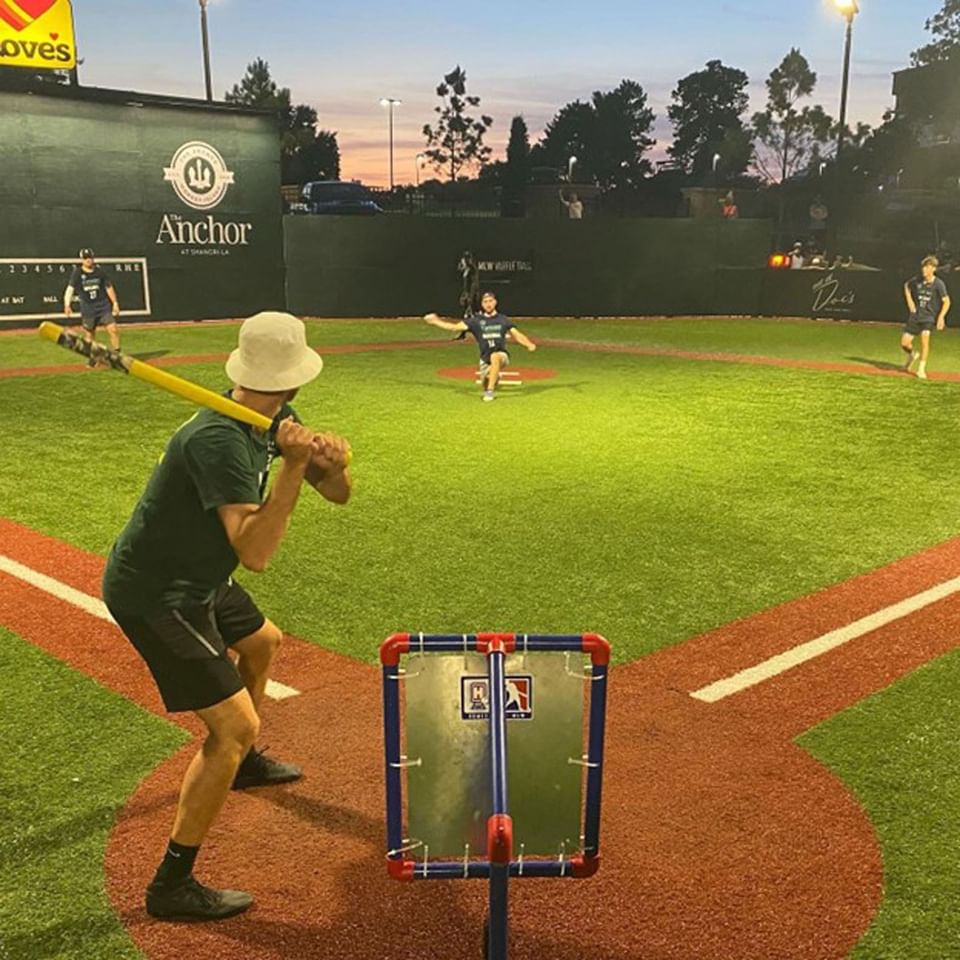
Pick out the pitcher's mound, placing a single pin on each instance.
(518, 373)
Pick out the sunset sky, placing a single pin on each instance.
(528, 57)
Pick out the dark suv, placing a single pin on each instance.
(336, 197)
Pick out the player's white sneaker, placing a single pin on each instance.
(911, 360)
(922, 372)
(487, 396)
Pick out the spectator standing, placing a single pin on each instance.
(573, 204)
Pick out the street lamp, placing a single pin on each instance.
(716, 161)
(390, 103)
(206, 48)
(420, 158)
(570, 165)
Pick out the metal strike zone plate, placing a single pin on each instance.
(448, 791)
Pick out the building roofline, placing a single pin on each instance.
(130, 98)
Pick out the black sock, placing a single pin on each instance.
(177, 864)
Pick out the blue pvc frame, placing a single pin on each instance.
(499, 868)
(500, 865)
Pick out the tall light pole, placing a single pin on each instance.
(390, 103)
(206, 48)
(849, 9)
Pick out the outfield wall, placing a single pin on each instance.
(834, 294)
(180, 198)
(400, 265)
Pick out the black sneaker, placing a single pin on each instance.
(191, 900)
(259, 770)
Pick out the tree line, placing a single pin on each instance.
(605, 139)
(609, 135)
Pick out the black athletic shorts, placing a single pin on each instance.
(101, 318)
(915, 325)
(186, 649)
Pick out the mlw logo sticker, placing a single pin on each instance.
(517, 697)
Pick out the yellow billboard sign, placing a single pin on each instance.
(37, 34)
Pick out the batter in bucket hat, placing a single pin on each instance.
(209, 506)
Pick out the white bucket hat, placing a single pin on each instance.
(273, 354)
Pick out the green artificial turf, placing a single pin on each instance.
(900, 754)
(72, 754)
(648, 498)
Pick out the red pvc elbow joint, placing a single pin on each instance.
(393, 648)
(401, 869)
(598, 647)
(582, 867)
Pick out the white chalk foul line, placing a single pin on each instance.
(829, 641)
(97, 608)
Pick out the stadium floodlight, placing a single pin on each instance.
(390, 103)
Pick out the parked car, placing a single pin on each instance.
(336, 197)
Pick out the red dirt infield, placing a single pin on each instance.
(721, 839)
(527, 373)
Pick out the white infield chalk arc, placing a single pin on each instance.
(97, 608)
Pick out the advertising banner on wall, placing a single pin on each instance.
(836, 294)
(180, 198)
(497, 270)
(200, 179)
(37, 34)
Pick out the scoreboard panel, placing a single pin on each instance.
(32, 288)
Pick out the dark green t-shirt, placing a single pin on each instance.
(928, 297)
(174, 551)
